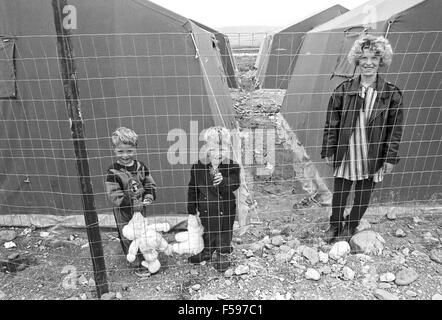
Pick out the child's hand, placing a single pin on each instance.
(217, 178)
(147, 202)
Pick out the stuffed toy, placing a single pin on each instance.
(190, 241)
(147, 239)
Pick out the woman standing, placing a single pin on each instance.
(362, 133)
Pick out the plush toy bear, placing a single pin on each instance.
(190, 241)
(148, 240)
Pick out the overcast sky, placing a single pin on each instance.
(224, 13)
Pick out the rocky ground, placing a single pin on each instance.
(393, 256)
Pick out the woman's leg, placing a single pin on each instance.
(363, 191)
(341, 191)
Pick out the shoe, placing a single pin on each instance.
(222, 262)
(347, 233)
(331, 234)
(205, 255)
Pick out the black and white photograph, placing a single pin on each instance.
(224, 157)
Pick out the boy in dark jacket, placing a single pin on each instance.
(213, 180)
(129, 184)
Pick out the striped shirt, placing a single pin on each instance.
(354, 165)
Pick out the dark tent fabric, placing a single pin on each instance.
(278, 54)
(414, 29)
(138, 65)
(227, 58)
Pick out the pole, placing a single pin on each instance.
(69, 78)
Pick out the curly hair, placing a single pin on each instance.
(217, 135)
(125, 136)
(379, 45)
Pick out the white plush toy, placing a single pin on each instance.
(190, 241)
(148, 240)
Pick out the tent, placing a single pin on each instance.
(414, 30)
(279, 50)
(227, 59)
(138, 65)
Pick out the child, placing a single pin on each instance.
(213, 180)
(129, 185)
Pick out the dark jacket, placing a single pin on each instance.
(384, 128)
(209, 200)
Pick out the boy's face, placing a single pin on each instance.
(217, 153)
(125, 153)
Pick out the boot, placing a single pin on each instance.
(347, 233)
(205, 255)
(222, 262)
(331, 234)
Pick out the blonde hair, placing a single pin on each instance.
(379, 45)
(217, 135)
(125, 136)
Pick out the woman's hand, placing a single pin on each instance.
(217, 178)
(329, 161)
(388, 167)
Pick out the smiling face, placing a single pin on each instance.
(217, 153)
(369, 63)
(125, 154)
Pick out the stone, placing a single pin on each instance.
(387, 277)
(83, 296)
(248, 253)
(391, 215)
(311, 254)
(436, 255)
(294, 243)
(196, 287)
(367, 242)
(82, 280)
(119, 296)
(363, 225)
(400, 233)
(384, 285)
(2, 295)
(348, 273)
(7, 235)
(411, 293)
(339, 249)
(323, 257)
(427, 235)
(325, 270)
(208, 296)
(285, 248)
(385, 295)
(91, 282)
(406, 276)
(194, 272)
(437, 296)
(417, 220)
(406, 251)
(277, 240)
(242, 269)
(258, 246)
(228, 273)
(13, 256)
(9, 245)
(108, 296)
(275, 232)
(282, 257)
(312, 274)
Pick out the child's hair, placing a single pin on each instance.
(125, 136)
(217, 135)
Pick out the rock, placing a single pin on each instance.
(387, 277)
(258, 246)
(406, 251)
(265, 240)
(208, 296)
(348, 273)
(406, 276)
(83, 296)
(2, 295)
(44, 234)
(91, 283)
(311, 254)
(427, 235)
(275, 232)
(325, 270)
(400, 233)
(13, 256)
(22, 267)
(248, 253)
(391, 215)
(108, 296)
(196, 287)
(285, 248)
(194, 272)
(367, 242)
(312, 274)
(363, 257)
(241, 269)
(228, 273)
(437, 296)
(323, 257)
(282, 257)
(82, 280)
(385, 295)
(384, 286)
(436, 255)
(7, 235)
(363, 225)
(277, 240)
(339, 249)
(294, 243)
(417, 220)
(411, 293)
